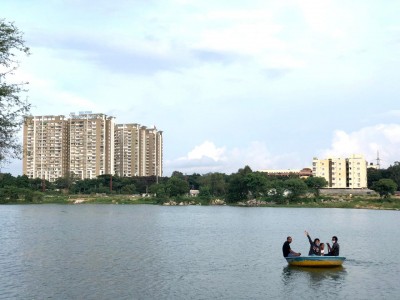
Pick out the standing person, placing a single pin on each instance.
(334, 250)
(286, 250)
(314, 246)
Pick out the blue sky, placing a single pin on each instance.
(269, 84)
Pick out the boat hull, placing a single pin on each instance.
(316, 261)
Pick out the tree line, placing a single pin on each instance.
(243, 185)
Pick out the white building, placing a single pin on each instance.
(350, 172)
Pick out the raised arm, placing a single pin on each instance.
(309, 238)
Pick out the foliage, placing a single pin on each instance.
(12, 107)
(295, 188)
(177, 186)
(237, 186)
(393, 172)
(159, 190)
(216, 183)
(315, 184)
(384, 187)
(256, 184)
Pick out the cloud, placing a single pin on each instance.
(207, 149)
(382, 138)
(207, 157)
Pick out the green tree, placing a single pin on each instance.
(160, 190)
(237, 188)
(384, 187)
(296, 188)
(275, 190)
(205, 193)
(373, 175)
(215, 183)
(315, 184)
(6, 179)
(177, 186)
(128, 189)
(12, 107)
(256, 183)
(393, 172)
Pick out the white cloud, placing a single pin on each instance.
(207, 157)
(384, 138)
(207, 149)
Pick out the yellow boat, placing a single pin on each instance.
(316, 261)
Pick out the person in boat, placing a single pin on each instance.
(322, 249)
(286, 250)
(334, 250)
(314, 246)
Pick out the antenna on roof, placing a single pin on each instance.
(378, 160)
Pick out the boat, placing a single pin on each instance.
(316, 261)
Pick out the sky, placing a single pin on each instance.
(268, 84)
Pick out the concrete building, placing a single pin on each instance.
(151, 150)
(302, 173)
(342, 173)
(44, 146)
(89, 145)
(126, 141)
(138, 150)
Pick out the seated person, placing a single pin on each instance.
(322, 249)
(286, 250)
(314, 246)
(334, 250)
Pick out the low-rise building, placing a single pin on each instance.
(349, 172)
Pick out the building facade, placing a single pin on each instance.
(89, 145)
(127, 149)
(44, 146)
(342, 173)
(302, 173)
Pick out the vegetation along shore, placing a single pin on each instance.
(243, 188)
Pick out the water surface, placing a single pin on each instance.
(193, 252)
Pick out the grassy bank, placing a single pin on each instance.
(325, 202)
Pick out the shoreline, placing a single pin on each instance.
(352, 203)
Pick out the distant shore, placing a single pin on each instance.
(331, 202)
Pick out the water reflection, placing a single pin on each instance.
(315, 280)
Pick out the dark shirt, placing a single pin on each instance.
(334, 250)
(314, 249)
(286, 249)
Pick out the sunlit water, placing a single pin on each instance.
(195, 252)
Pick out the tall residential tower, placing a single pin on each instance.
(89, 145)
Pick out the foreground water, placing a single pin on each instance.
(155, 252)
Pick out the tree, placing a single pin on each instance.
(237, 188)
(315, 184)
(384, 187)
(177, 186)
(296, 188)
(256, 183)
(158, 189)
(12, 107)
(215, 183)
(393, 172)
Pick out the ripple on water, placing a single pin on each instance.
(152, 252)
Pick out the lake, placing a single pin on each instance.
(192, 252)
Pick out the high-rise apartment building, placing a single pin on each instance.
(343, 173)
(138, 150)
(89, 145)
(44, 144)
(127, 149)
(151, 151)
